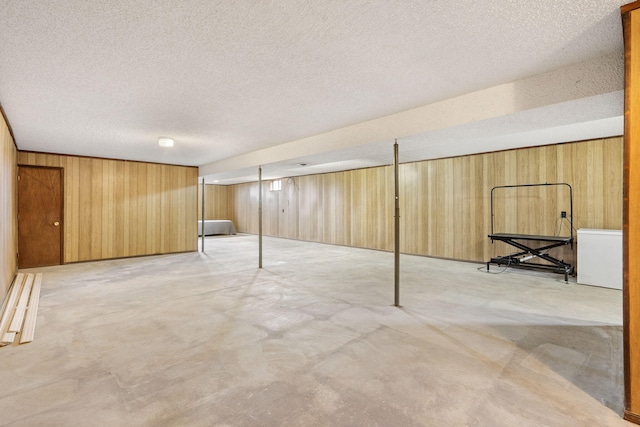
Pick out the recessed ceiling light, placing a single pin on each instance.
(215, 181)
(165, 142)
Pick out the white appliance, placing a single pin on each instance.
(600, 258)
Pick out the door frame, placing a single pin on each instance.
(61, 170)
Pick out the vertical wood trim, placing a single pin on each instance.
(631, 214)
(8, 207)
(63, 225)
(7, 125)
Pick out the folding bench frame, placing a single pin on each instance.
(527, 252)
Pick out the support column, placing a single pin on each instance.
(396, 219)
(631, 211)
(202, 219)
(259, 216)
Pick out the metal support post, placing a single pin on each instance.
(396, 228)
(202, 219)
(260, 217)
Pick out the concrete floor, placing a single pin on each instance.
(313, 340)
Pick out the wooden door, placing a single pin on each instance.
(39, 216)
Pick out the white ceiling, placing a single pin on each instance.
(330, 83)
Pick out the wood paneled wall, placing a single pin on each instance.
(631, 230)
(115, 208)
(446, 208)
(8, 209)
(445, 203)
(216, 202)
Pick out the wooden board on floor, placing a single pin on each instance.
(21, 307)
(7, 314)
(5, 302)
(28, 331)
(7, 338)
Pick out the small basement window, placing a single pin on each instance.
(276, 185)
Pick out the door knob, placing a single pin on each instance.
(56, 223)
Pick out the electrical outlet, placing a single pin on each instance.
(563, 214)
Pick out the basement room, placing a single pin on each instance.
(363, 213)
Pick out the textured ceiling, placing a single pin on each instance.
(229, 78)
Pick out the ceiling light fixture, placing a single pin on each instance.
(165, 142)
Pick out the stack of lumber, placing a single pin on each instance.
(20, 308)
